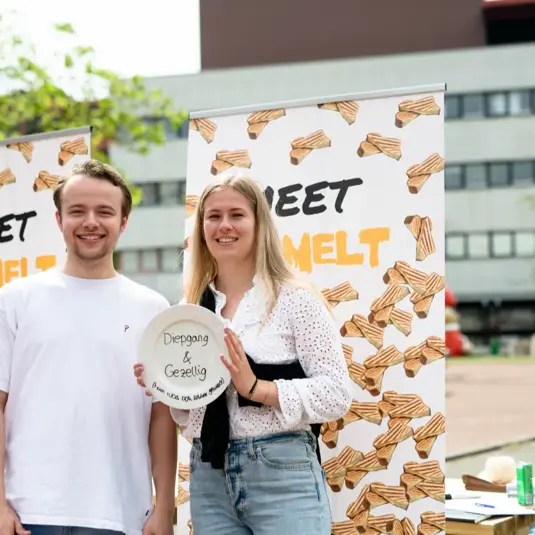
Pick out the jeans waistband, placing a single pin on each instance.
(245, 444)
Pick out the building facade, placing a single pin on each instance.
(490, 174)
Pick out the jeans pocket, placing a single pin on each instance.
(285, 455)
(194, 457)
(324, 490)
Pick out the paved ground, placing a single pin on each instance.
(489, 402)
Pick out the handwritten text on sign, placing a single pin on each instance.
(187, 368)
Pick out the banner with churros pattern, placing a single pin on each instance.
(357, 187)
(30, 168)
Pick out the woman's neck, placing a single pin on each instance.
(234, 279)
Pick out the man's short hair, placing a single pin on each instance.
(102, 171)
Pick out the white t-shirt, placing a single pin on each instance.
(77, 422)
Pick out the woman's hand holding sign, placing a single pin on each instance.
(242, 375)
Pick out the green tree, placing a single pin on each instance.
(38, 101)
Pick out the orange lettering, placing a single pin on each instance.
(326, 248)
(11, 270)
(300, 257)
(23, 267)
(45, 262)
(322, 245)
(342, 258)
(374, 236)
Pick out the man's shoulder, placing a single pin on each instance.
(145, 295)
(22, 285)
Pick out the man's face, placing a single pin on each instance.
(91, 220)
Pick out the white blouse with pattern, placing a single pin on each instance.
(300, 327)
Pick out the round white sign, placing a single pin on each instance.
(180, 350)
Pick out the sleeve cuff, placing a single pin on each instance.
(291, 408)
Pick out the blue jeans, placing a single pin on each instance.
(272, 485)
(41, 529)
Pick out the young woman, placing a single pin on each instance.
(254, 460)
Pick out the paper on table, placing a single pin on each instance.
(499, 504)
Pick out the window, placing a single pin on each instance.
(516, 318)
(492, 174)
(171, 260)
(128, 262)
(149, 261)
(453, 177)
(478, 246)
(475, 176)
(455, 247)
(498, 175)
(522, 173)
(493, 244)
(525, 243)
(502, 244)
(472, 318)
(453, 107)
(183, 130)
(503, 103)
(474, 105)
(520, 103)
(149, 194)
(497, 104)
(169, 193)
(182, 192)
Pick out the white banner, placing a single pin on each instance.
(30, 168)
(357, 185)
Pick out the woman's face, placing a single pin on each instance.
(229, 226)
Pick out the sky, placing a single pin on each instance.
(158, 37)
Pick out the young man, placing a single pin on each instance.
(77, 434)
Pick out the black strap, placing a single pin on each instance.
(215, 430)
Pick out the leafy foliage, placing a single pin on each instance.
(73, 92)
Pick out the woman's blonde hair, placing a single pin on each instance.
(270, 265)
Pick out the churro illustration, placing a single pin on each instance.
(205, 127)
(24, 147)
(346, 527)
(403, 407)
(347, 109)
(260, 119)
(428, 351)
(432, 520)
(412, 109)
(422, 230)
(191, 202)
(378, 144)
(417, 175)
(340, 293)
(183, 472)
(426, 435)
(7, 177)
(182, 496)
(225, 159)
(348, 353)
(394, 495)
(424, 285)
(360, 327)
(336, 468)
(303, 146)
(68, 149)
(45, 181)
(424, 480)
